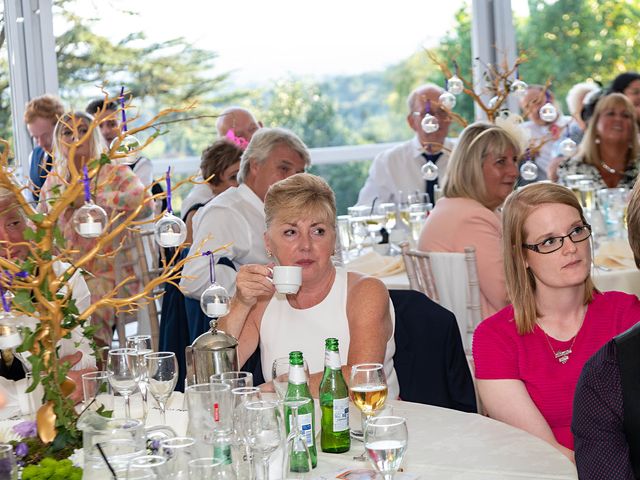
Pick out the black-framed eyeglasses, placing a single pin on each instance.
(576, 235)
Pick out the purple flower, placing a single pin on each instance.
(22, 449)
(154, 445)
(26, 429)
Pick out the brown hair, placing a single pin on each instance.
(217, 157)
(521, 285)
(46, 106)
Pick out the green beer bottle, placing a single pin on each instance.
(334, 402)
(299, 388)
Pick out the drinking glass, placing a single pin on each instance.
(368, 390)
(359, 232)
(297, 457)
(418, 213)
(240, 451)
(142, 345)
(388, 210)
(162, 368)
(385, 440)
(204, 468)
(122, 365)
(8, 467)
(97, 389)
(233, 379)
(418, 197)
(264, 430)
(178, 452)
(150, 467)
(209, 406)
(343, 235)
(280, 375)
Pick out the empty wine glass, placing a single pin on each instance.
(263, 430)
(298, 459)
(162, 368)
(142, 345)
(150, 467)
(368, 390)
(124, 374)
(385, 440)
(240, 451)
(280, 375)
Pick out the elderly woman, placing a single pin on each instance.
(119, 190)
(529, 355)
(609, 150)
(331, 302)
(220, 164)
(482, 171)
(76, 349)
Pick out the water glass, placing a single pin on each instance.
(343, 237)
(152, 467)
(124, 374)
(385, 440)
(162, 370)
(204, 468)
(8, 467)
(97, 390)
(233, 379)
(280, 375)
(240, 451)
(178, 452)
(142, 345)
(209, 406)
(263, 429)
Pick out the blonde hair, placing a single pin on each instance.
(464, 177)
(633, 223)
(73, 120)
(521, 285)
(589, 145)
(300, 195)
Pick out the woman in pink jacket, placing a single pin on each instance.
(482, 171)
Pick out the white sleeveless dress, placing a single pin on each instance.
(284, 329)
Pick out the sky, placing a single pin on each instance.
(260, 40)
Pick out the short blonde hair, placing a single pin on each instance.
(521, 285)
(589, 145)
(633, 223)
(464, 176)
(72, 120)
(299, 196)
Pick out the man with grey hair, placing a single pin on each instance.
(236, 216)
(399, 168)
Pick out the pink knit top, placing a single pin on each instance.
(500, 353)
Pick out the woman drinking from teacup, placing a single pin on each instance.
(529, 355)
(331, 302)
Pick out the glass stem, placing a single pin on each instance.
(127, 407)
(164, 412)
(265, 467)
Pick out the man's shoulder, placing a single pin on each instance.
(401, 150)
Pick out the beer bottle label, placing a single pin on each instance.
(340, 414)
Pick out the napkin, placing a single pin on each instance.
(376, 265)
(615, 254)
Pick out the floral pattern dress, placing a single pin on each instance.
(575, 165)
(119, 190)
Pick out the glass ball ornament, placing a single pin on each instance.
(89, 220)
(429, 171)
(10, 336)
(529, 171)
(447, 100)
(518, 88)
(548, 112)
(568, 147)
(455, 85)
(170, 231)
(430, 123)
(493, 102)
(215, 300)
(128, 145)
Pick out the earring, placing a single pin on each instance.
(597, 141)
(269, 254)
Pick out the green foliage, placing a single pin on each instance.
(50, 468)
(346, 179)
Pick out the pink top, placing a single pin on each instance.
(456, 223)
(500, 353)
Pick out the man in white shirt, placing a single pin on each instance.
(399, 168)
(236, 216)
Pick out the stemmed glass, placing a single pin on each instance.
(240, 452)
(124, 374)
(150, 467)
(385, 440)
(162, 368)
(142, 345)
(263, 430)
(298, 458)
(368, 389)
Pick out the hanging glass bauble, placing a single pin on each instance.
(518, 88)
(493, 103)
(455, 85)
(430, 123)
(89, 220)
(548, 112)
(568, 147)
(429, 171)
(529, 171)
(170, 231)
(447, 100)
(128, 146)
(214, 301)
(10, 336)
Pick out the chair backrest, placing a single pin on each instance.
(450, 279)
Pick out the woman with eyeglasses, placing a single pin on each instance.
(528, 356)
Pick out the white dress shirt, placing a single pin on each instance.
(399, 168)
(200, 193)
(234, 217)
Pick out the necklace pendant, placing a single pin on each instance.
(563, 355)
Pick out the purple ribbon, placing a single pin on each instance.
(212, 270)
(6, 304)
(528, 155)
(124, 114)
(169, 209)
(446, 84)
(87, 189)
(547, 96)
(517, 73)
(428, 106)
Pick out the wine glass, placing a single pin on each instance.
(298, 459)
(240, 452)
(385, 440)
(280, 375)
(368, 389)
(150, 467)
(142, 345)
(124, 374)
(162, 368)
(263, 430)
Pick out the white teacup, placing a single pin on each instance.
(287, 278)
